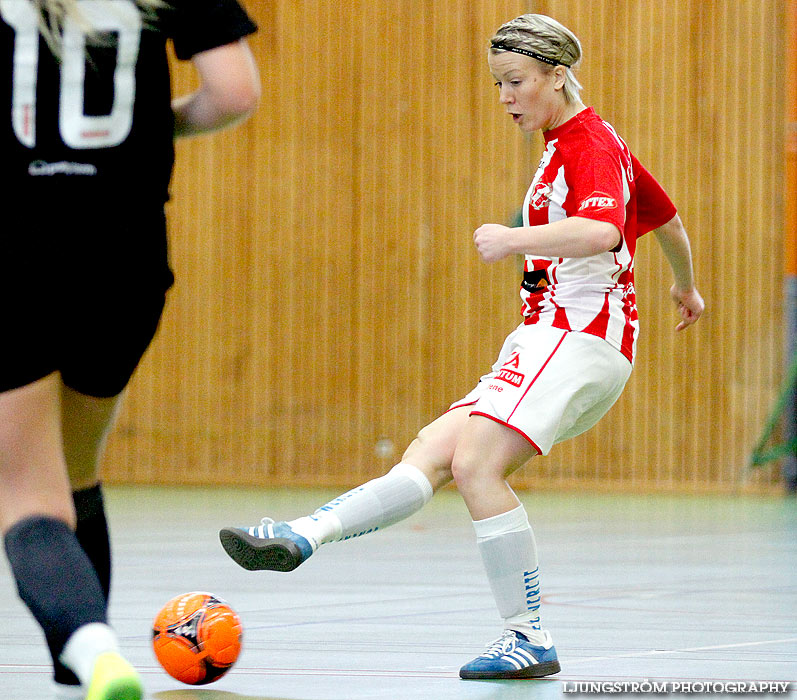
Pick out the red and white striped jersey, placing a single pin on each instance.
(587, 170)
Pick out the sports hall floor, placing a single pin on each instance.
(635, 588)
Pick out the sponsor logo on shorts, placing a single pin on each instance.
(598, 200)
(510, 377)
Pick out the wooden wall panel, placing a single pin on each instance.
(329, 301)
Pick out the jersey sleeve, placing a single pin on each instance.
(201, 25)
(597, 185)
(654, 207)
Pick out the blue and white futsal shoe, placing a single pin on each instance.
(273, 546)
(513, 656)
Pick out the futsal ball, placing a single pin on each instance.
(197, 637)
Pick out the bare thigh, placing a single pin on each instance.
(487, 453)
(86, 420)
(432, 451)
(33, 474)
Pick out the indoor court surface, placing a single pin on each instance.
(635, 587)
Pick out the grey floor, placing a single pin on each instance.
(635, 588)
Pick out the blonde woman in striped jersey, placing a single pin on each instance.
(559, 371)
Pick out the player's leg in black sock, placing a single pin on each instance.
(92, 533)
(85, 422)
(54, 577)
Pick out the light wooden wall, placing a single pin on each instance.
(329, 300)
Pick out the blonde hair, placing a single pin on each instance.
(54, 13)
(545, 36)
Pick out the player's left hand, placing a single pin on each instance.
(690, 305)
(492, 241)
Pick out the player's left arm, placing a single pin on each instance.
(228, 93)
(674, 242)
(573, 237)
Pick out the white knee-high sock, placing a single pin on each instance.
(376, 504)
(509, 552)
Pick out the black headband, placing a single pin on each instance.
(525, 52)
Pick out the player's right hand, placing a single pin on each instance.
(492, 242)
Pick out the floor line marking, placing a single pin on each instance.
(655, 652)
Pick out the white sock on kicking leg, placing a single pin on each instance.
(509, 552)
(404, 490)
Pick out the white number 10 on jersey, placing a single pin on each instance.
(78, 130)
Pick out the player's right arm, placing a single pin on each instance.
(674, 243)
(228, 92)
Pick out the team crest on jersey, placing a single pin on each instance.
(597, 201)
(540, 195)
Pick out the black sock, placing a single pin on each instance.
(55, 578)
(92, 533)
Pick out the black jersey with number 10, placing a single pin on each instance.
(96, 121)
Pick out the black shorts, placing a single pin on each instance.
(84, 301)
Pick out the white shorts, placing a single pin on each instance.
(550, 385)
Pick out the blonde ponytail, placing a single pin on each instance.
(54, 13)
